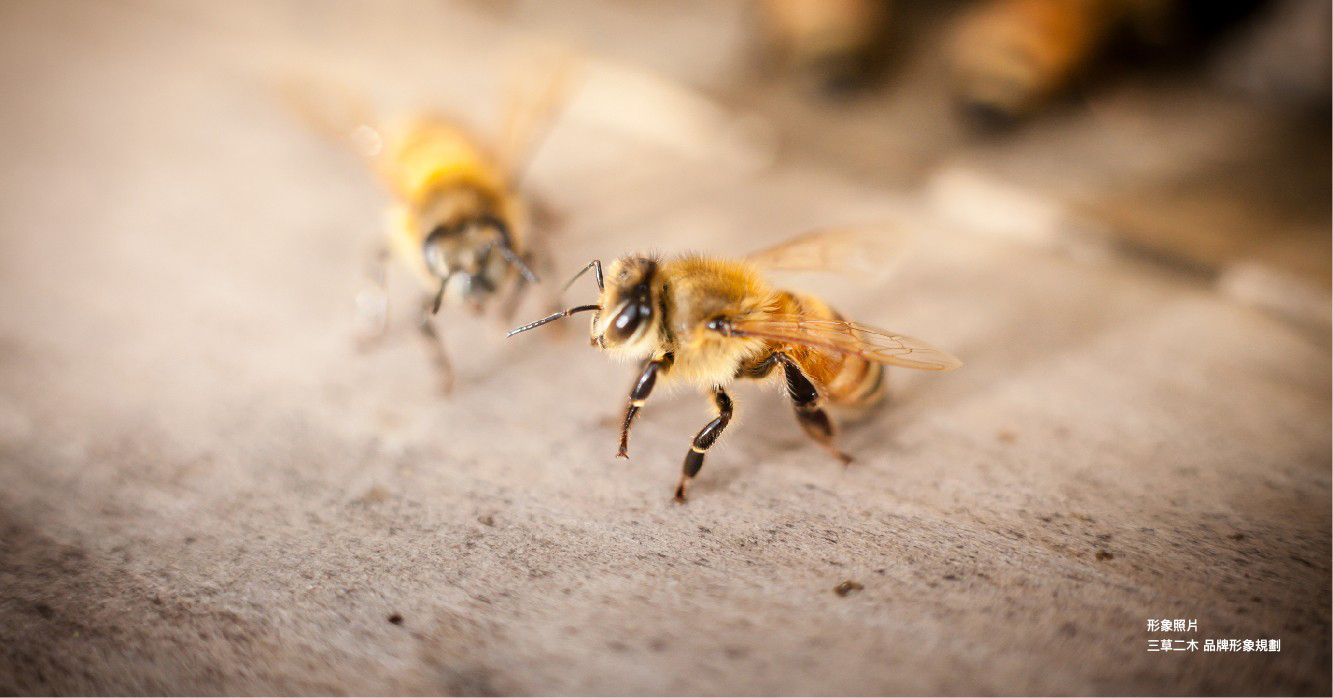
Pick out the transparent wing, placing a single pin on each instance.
(332, 110)
(866, 250)
(850, 338)
(538, 88)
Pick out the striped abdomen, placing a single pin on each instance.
(444, 181)
(843, 380)
(425, 155)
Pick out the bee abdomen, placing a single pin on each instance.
(860, 383)
(424, 157)
(846, 380)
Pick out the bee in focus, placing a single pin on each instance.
(457, 218)
(709, 321)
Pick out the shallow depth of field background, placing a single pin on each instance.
(206, 488)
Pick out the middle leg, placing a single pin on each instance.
(694, 459)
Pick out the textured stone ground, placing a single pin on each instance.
(205, 489)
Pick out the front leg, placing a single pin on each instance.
(444, 370)
(638, 395)
(512, 298)
(704, 440)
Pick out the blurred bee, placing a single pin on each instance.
(457, 218)
(830, 43)
(1011, 56)
(709, 321)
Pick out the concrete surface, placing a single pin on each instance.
(204, 488)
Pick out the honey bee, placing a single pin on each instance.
(457, 218)
(709, 321)
(1011, 56)
(831, 43)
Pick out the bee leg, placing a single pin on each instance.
(694, 459)
(812, 417)
(639, 395)
(435, 345)
(512, 299)
(372, 303)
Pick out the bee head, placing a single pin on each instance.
(624, 319)
(472, 255)
(628, 302)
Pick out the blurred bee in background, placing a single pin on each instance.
(831, 43)
(457, 217)
(1010, 57)
(709, 321)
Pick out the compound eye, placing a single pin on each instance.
(637, 310)
(435, 254)
(627, 321)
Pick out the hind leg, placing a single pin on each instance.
(814, 420)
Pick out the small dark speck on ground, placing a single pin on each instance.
(1237, 536)
(848, 587)
(951, 577)
(1103, 555)
(374, 495)
(396, 618)
(486, 520)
